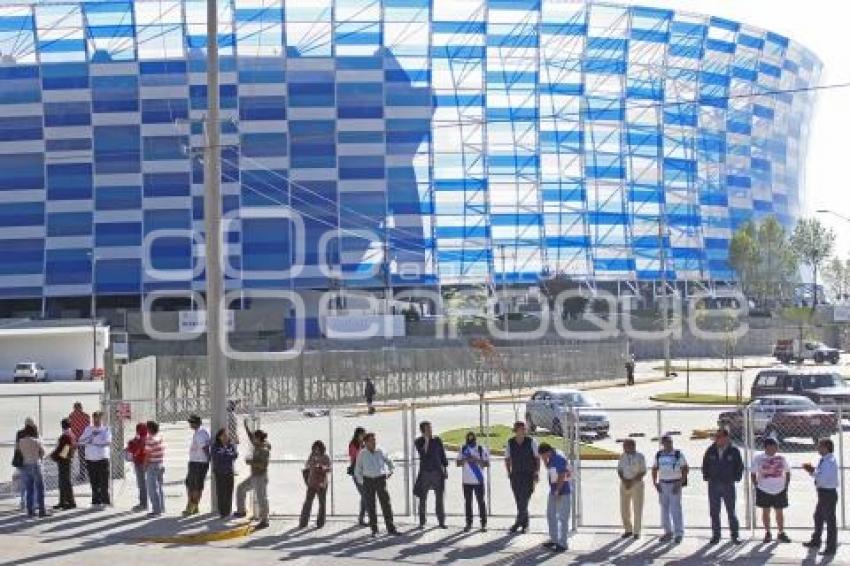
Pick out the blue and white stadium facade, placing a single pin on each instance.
(423, 143)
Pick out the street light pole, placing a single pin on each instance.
(93, 309)
(664, 306)
(216, 364)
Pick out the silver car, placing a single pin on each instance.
(549, 409)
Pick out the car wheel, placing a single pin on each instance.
(532, 428)
(557, 430)
(818, 357)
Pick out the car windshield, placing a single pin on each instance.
(22, 366)
(795, 404)
(575, 400)
(820, 380)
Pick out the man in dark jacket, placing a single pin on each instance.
(523, 464)
(369, 393)
(722, 468)
(433, 472)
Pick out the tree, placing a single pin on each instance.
(813, 243)
(743, 254)
(836, 274)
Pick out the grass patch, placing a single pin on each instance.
(697, 398)
(499, 435)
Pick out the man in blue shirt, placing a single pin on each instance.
(826, 482)
(558, 507)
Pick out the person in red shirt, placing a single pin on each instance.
(136, 454)
(79, 421)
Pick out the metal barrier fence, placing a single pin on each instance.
(593, 457)
(337, 377)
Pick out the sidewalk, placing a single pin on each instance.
(113, 537)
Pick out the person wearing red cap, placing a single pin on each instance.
(136, 455)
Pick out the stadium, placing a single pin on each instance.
(425, 144)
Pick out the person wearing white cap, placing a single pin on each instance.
(670, 475)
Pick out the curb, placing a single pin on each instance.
(202, 538)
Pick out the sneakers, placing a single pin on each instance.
(767, 537)
(467, 528)
(714, 539)
(190, 510)
(239, 515)
(677, 540)
(666, 537)
(264, 524)
(735, 540)
(139, 508)
(514, 528)
(550, 545)
(782, 537)
(812, 544)
(828, 552)
(626, 535)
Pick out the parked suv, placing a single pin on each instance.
(823, 387)
(549, 408)
(29, 372)
(781, 417)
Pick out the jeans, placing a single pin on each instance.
(523, 487)
(377, 488)
(558, 516)
(722, 492)
(224, 493)
(670, 497)
(66, 488)
(478, 491)
(142, 485)
(825, 514)
(429, 480)
(153, 476)
(259, 485)
(99, 479)
(361, 516)
(312, 493)
(35, 488)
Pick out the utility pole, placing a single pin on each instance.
(662, 222)
(93, 308)
(216, 364)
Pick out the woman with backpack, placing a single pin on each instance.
(473, 458)
(136, 456)
(223, 455)
(354, 448)
(316, 470)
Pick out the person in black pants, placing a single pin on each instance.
(826, 476)
(369, 393)
(474, 459)
(223, 454)
(63, 455)
(433, 472)
(722, 468)
(97, 440)
(523, 463)
(372, 470)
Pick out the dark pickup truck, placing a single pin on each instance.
(826, 388)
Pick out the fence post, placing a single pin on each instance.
(751, 444)
(40, 418)
(331, 452)
(408, 463)
(749, 520)
(841, 464)
(489, 452)
(576, 451)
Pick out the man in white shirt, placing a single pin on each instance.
(826, 482)
(199, 463)
(670, 475)
(770, 476)
(372, 470)
(97, 440)
(631, 469)
(474, 459)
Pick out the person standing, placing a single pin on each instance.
(199, 465)
(354, 448)
(136, 454)
(63, 455)
(316, 470)
(372, 470)
(523, 464)
(771, 475)
(32, 452)
(18, 461)
(258, 481)
(631, 468)
(223, 455)
(80, 420)
(433, 472)
(670, 475)
(474, 459)
(722, 468)
(97, 439)
(630, 370)
(369, 393)
(558, 506)
(154, 458)
(826, 483)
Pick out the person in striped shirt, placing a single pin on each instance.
(154, 468)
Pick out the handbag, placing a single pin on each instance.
(18, 459)
(419, 488)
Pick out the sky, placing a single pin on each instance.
(821, 26)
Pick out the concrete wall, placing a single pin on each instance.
(60, 351)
